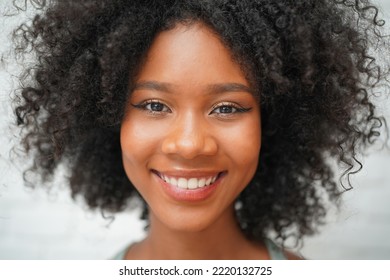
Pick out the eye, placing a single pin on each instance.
(153, 106)
(225, 110)
(156, 107)
(228, 108)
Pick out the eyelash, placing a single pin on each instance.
(143, 106)
(239, 109)
(165, 109)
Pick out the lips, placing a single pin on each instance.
(193, 186)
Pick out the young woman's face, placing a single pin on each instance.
(191, 135)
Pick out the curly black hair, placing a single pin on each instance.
(309, 60)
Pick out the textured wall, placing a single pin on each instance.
(49, 225)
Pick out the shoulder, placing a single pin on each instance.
(120, 255)
(292, 256)
(123, 254)
(277, 253)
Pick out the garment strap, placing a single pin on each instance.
(274, 251)
(121, 255)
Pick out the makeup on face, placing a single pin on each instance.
(191, 135)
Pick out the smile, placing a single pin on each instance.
(189, 186)
(189, 183)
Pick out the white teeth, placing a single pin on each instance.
(182, 183)
(191, 183)
(201, 183)
(172, 181)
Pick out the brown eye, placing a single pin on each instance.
(156, 107)
(153, 106)
(225, 110)
(228, 109)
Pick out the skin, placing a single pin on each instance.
(191, 114)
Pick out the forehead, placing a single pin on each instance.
(192, 52)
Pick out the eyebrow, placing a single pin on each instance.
(212, 88)
(153, 85)
(229, 87)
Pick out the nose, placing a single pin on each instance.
(189, 137)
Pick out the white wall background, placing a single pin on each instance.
(40, 224)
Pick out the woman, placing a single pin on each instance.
(221, 115)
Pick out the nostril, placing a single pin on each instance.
(189, 139)
(189, 148)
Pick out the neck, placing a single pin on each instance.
(222, 240)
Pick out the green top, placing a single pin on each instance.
(274, 251)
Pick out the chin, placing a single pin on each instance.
(184, 223)
(190, 227)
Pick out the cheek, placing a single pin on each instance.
(138, 146)
(139, 140)
(244, 143)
